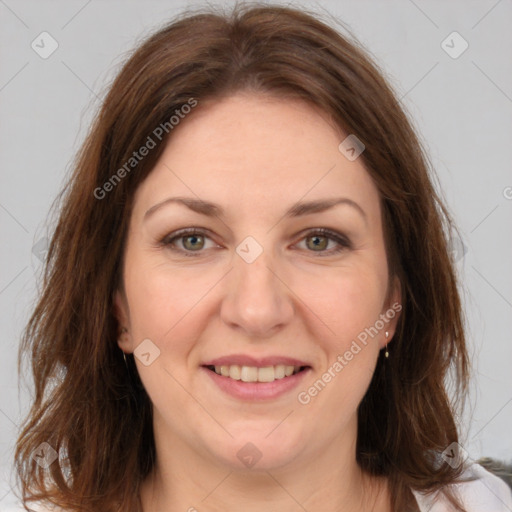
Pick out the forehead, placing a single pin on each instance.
(251, 151)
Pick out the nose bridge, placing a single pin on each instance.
(257, 301)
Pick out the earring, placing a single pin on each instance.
(386, 354)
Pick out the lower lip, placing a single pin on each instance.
(256, 390)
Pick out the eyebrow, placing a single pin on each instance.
(214, 210)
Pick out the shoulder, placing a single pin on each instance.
(485, 492)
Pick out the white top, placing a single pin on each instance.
(487, 494)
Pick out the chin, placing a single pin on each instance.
(259, 449)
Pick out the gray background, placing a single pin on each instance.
(461, 106)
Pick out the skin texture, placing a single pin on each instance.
(256, 156)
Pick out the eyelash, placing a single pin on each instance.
(343, 242)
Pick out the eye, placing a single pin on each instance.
(318, 240)
(193, 240)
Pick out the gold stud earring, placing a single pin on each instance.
(386, 354)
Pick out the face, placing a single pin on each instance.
(259, 286)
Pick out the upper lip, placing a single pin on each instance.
(260, 362)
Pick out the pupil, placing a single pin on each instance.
(317, 243)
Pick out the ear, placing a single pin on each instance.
(122, 314)
(391, 311)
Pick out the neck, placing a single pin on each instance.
(183, 479)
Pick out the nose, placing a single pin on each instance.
(257, 303)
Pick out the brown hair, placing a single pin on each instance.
(85, 405)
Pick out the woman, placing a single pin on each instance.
(248, 300)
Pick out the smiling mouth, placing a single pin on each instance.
(256, 374)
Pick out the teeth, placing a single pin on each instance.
(234, 372)
(255, 374)
(249, 374)
(279, 371)
(266, 374)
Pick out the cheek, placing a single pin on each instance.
(346, 300)
(350, 305)
(164, 306)
(161, 298)
(347, 365)
(341, 301)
